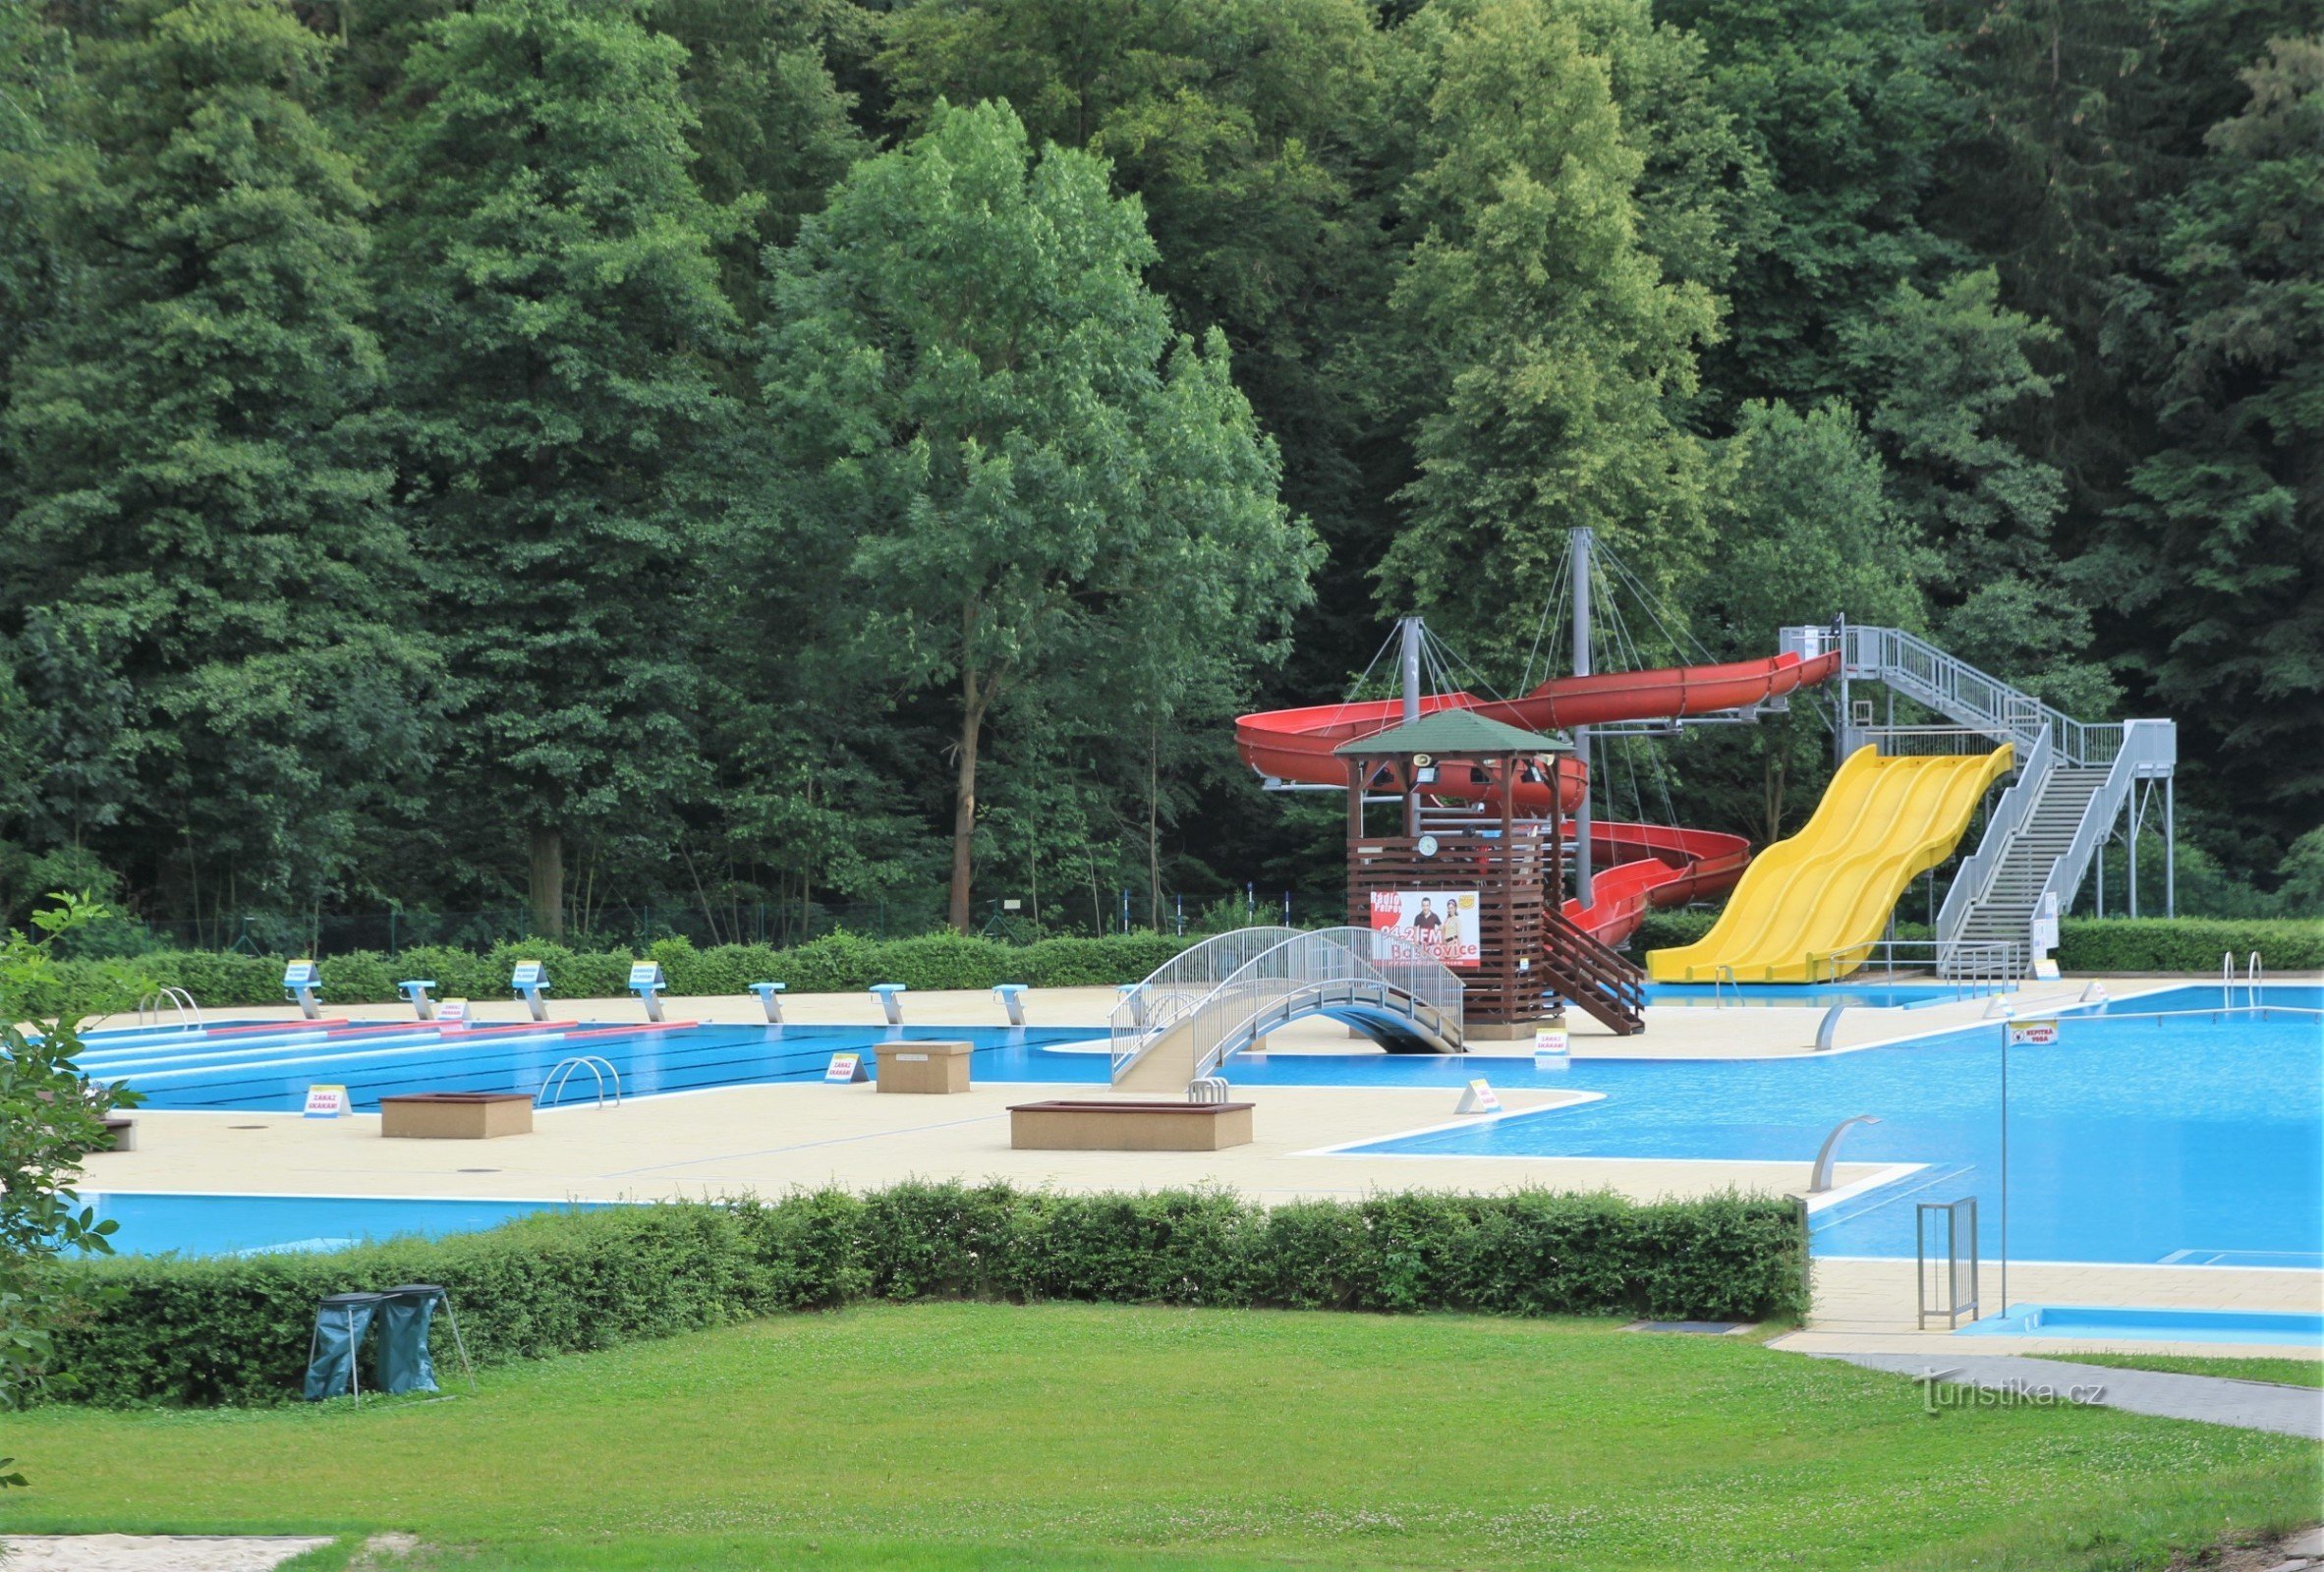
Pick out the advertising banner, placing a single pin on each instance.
(1442, 924)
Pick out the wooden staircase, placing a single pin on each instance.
(1591, 974)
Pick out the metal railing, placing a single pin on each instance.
(1182, 983)
(2144, 750)
(1954, 688)
(552, 1085)
(2012, 812)
(178, 999)
(1992, 966)
(1222, 992)
(1928, 742)
(1945, 1261)
(1348, 966)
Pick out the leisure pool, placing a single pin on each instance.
(2179, 1139)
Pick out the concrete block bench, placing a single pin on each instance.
(1097, 1125)
(923, 1067)
(457, 1115)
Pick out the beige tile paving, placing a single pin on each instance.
(771, 1138)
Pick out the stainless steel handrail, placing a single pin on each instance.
(1191, 974)
(554, 1084)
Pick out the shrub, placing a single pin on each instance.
(1666, 931)
(212, 1330)
(2187, 943)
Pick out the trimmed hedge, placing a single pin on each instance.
(2187, 943)
(837, 963)
(234, 1330)
(2101, 945)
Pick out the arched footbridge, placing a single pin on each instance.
(1219, 997)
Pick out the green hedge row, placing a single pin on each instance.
(2102, 944)
(234, 1330)
(837, 963)
(2188, 944)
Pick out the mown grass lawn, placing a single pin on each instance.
(2237, 1367)
(990, 1437)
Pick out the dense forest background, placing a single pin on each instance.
(772, 461)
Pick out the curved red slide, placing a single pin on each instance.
(1644, 866)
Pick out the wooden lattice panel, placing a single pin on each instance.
(1512, 877)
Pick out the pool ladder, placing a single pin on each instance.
(2252, 977)
(552, 1085)
(150, 1007)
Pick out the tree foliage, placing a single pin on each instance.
(624, 454)
(51, 1116)
(556, 305)
(1022, 479)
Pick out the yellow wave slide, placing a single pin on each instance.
(1804, 902)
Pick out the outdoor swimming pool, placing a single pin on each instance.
(2186, 1140)
(218, 1225)
(268, 1071)
(1812, 996)
(2174, 1127)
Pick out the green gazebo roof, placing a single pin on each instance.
(1453, 734)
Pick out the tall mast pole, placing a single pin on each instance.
(1583, 539)
(1410, 627)
(1410, 664)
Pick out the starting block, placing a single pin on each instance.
(300, 980)
(646, 982)
(771, 994)
(415, 992)
(1012, 999)
(529, 982)
(886, 993)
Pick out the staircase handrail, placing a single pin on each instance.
(1951, 686)
(2149, 748)
(1193, 971)
(2010, 813)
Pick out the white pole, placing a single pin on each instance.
(2169, 854)
(1582, 540)
(1411, 669)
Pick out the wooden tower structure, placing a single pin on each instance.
(1485, 884)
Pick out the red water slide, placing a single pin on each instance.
(1643, 866)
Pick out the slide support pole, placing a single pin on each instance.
(1582, 871)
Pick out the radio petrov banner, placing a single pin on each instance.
(1438, 922)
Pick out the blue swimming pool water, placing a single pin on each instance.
(1811, 995)
(271, 1073)
(2191, 1140)
(2118, 1323)
(215, 1226)
(2215, 996)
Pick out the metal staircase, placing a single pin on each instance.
(2000, 908)
(2076, 781)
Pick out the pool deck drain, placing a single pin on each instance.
(2207, 1400)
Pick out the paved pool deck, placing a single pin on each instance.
(769, 1140)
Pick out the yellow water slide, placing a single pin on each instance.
(1804, 902)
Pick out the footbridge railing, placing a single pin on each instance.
(1355, 973)
(1178, 985)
